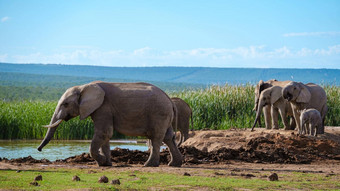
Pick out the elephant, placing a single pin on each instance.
(133, 109)
(184, 114)
(267, 109)
(273, 96)
(311, 121)
(305, 96)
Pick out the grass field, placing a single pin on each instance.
(216, 107)
(61, 179)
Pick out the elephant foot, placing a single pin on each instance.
(105, 164)
(151, 164)
(286, 128)
(101, 160)
(175, 163)
(275, 127)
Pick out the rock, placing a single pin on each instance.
(116, 181)
(76, 178)
(273, 177)
(34, 183)
(38, 178)
(186, 174)
(103, 179)
(18, 171)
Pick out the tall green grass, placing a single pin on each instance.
(216, 107)
(24, 120)
(333, 103)
(221, 107)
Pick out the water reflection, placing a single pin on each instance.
(58, 149)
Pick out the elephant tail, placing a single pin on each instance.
(192, 121)
(174, 120)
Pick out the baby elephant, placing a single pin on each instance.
(310, 121)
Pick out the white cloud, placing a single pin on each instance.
(252, 56)
(304, 34)
(142, 51)
(3, 57)
(4, 19)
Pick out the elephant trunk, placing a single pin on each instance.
(256, 106)
(258, 114)
(50, 132)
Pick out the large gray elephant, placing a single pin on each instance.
(273, 96)
(261, 86)
(184, 114)
(311, 121)
(305, 96)
(133, 109)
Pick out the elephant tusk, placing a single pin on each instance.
(54, 124)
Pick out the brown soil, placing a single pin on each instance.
(236, 149)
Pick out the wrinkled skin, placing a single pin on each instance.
(133, 109)
(311, 121)
(273, 96)
(261, 86)
(184, 114)
(306, 96)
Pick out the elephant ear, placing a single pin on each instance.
(304, 95)
(259, 86)
(91, 98)
(276, 94)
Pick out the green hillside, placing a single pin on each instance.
(190, 75)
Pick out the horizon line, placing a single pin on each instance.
(60, 64)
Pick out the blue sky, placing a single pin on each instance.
(235, 33)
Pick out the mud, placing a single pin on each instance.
(264, 146)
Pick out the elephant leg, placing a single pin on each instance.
(180, 139)
(259, 121)
(176, 156)
(321, 130)
(305, 128)
(284, 118)
(267, 116)
(186, 134)
(96, 144)
(315, 132)
(154, 147)
(105, 150)
(297, 120)
(292, 123)
(103, 130)
(275, 117)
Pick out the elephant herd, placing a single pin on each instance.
(142, 109)
(305, 104)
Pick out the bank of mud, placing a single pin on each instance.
(222, 147)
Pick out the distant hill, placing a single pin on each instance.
(189, 75)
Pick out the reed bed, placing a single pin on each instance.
(24, 120)
(216, 107)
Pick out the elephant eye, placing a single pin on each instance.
(294, 88)
(65, 104)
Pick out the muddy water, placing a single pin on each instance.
(58, 149)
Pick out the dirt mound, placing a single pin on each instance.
(83, 158)
(25, 160)
(269, 146)
(209, 147)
